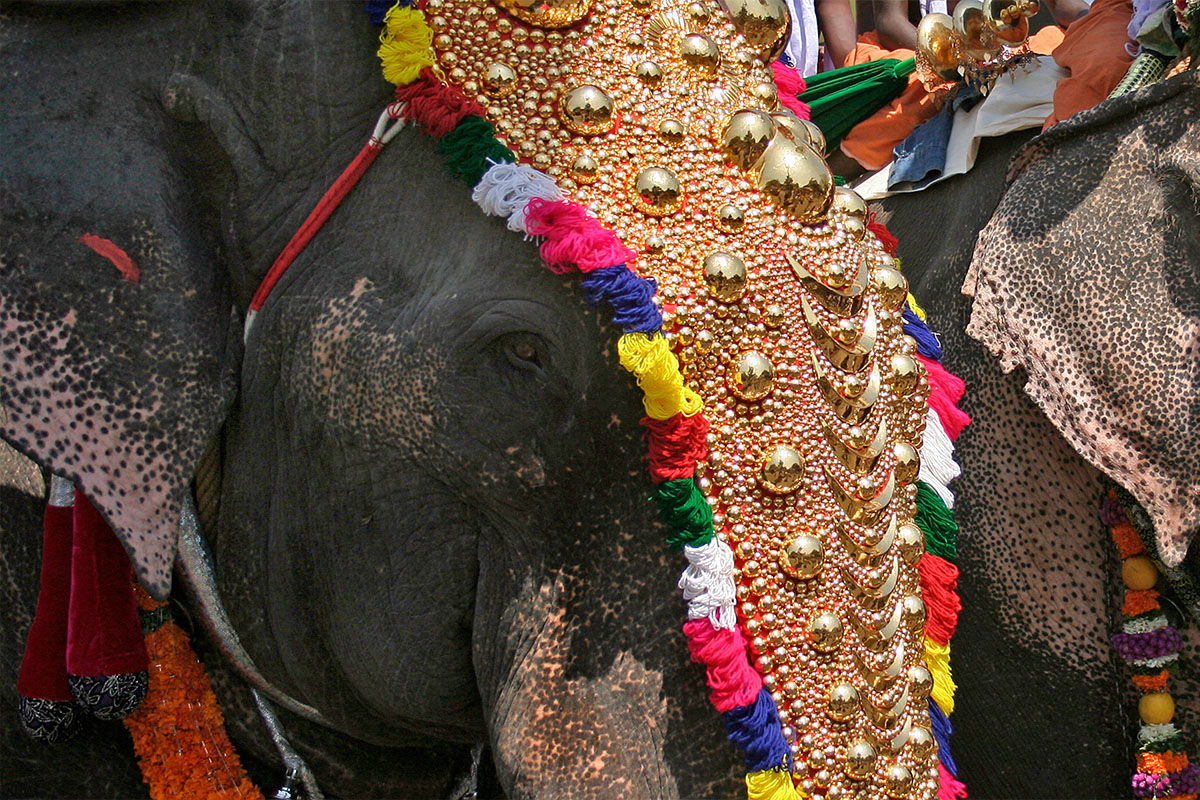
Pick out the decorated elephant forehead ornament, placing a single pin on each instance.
(643, 142)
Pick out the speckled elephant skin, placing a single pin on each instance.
(1032, 656)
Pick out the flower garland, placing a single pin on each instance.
(572, 239)
(178, 732)
(1150, 645)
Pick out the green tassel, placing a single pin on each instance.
(471, 148)
(683, 507)
(937, 523)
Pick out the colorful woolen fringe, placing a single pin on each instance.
(1150, 645)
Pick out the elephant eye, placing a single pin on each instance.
(524, 351)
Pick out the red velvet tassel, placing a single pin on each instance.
(435, 106)
(104, 633)
(676, 444)
(939, 590)
(44, 666)
(106, 652)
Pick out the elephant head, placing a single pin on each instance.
(433, 522)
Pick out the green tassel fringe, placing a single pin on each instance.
(471, 148)
(937, 523)
(683, 507)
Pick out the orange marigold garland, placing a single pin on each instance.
(1150, 645)
(178, 732)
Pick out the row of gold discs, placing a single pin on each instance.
(760, 491)
(660, 115)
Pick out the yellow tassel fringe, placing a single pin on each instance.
(937, 658)
(771, 784)
(657, 372)
(405, 46)
(916, 309)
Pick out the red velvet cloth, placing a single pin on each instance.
(104, 632)
(43, 674)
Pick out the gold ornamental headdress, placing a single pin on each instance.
(787, 373)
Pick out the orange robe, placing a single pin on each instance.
(871, 141)
(1094, 53)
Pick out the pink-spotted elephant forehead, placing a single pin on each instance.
(111, 374)
(1086, 278)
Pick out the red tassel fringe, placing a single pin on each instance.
(945, 391)
(886, 239)
(676, 444)
(437, 107)
(939, 589)
(790, 83)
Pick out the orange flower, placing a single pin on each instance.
(1140, 602)
(1152, 683)
(1161, 762)
(178, 731)
(1127, 539)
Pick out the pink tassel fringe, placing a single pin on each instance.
(946, 391)
(733, 681)
(790, 83)
(574, 238)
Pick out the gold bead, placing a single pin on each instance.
(1008, 19)
(671, 130)
(731, 217)
(700, 53)
(766, 94)
(905, 373)
(584, 169)
(796, 179)
(899, 781)
(908, 462)
(855, 228)
(754, 376)
(938, 43)
(911, 542)
(448, 59)
(773, 317)
(547, 13)
(746, 136)
(860, 760)
(655, 244)
(1156, 708)
(658, 191)
(586, 109)
(698, 12)
(978, 41)
(783, 470)
(922, 743)
(764, 24)
(893, 287)
(648, 73)
(725, 275)
(850, 203)
(912, 611)
(1139, 573)
(843, 702)
(635, 41)
(826, 630)
(499, 80)
(803, 557)
(920, 680)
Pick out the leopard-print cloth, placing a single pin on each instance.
(1088, 277)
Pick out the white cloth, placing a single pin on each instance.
(1021, 99)
(803, 44)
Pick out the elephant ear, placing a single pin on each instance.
(117, 347)
(1086, 277)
